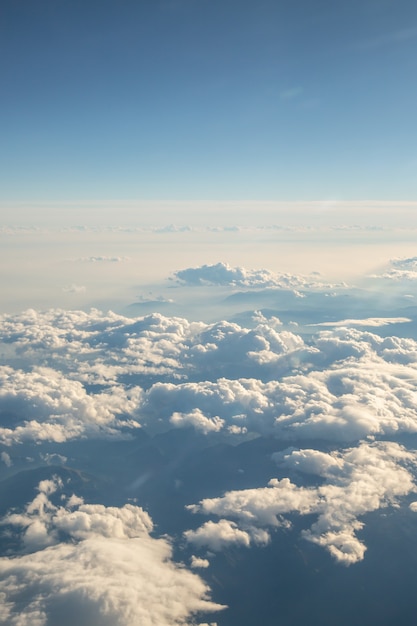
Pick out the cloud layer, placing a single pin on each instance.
(44, 405)
(356, 481)
(94, 565)
(339, 397)
(98, 377)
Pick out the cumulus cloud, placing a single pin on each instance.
(217, 535)
(352, 399)
(100, 370)
(222, 274)
(342, 385)
(95, 565)
(44, 405)
(356, 481)
(198, 562)
(99, 347)
(102, 348)
(232, 402)
(197, 419)
(330, 399)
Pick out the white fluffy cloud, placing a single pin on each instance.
(197, 562)
(357, 481)
(341, 384)
(347, 402)
(44, 405)
(68, 375)
(217, 535)
(223, 274)
(94, 565)
(100, 348)
(197, 419)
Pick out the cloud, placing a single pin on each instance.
(359, 395)
(369, 321)
(198, 420)
(198, 562)
(100, 370)
(349, 402)
(44, 405)
(102, 259)
(6, 459)
(95, 565)
(106, 348)
(78, 375)
(400, 270)
(227, 349)
(73, 288)
(356, 481)
(324, 397)
(54, 458)
(218, 535)
(222, 274)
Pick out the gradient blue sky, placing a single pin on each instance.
(208, 99)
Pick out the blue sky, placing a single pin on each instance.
(208, 100)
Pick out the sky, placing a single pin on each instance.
(186, 100)
(208, 318)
